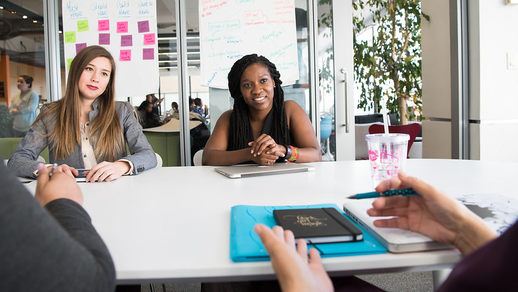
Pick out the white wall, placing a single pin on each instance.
(493, 88)
(495, 32)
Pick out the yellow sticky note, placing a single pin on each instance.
(69, 62)
(82, 25)
(70, 37)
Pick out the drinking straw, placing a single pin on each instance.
(385, 119)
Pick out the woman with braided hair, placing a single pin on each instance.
(262, 127)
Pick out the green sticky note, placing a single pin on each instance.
(70, 37)
(82, 25)
(69, 61)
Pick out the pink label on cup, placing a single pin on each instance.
(373, 155)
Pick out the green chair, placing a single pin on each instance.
(167, 145)
(8, 145)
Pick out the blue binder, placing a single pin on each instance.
(246, 246)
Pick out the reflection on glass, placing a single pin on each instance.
(22, 47)
(326, 89)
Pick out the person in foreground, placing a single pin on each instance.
(262, 127)
(54, 248)
(87, 128)
(490, 263)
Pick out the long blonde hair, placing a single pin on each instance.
(105, 127)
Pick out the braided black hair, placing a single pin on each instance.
(239, 131)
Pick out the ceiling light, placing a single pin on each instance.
(24, 17)
(35, 21)
(1, 7)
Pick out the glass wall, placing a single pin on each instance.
(23, 53)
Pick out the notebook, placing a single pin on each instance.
(239, 171)
(318, 225)
(246, 246)
(393, 239)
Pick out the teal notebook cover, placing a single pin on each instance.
(246, 246)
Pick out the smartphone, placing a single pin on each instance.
(81, 176)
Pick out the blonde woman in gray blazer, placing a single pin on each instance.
(87, 129)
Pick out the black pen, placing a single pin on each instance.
(404, 192)
(53, 168)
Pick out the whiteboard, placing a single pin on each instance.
(127, 29)
(232, 29)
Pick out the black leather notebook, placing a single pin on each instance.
(322, 225)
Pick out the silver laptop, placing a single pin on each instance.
(239, 171)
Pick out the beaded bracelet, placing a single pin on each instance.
(292, 153)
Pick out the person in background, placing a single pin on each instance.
(174, 108)
(147, 118)
(191, 104)
(24, 106)
(262, 128)
(489, 262)
(155, 102)
(54, 248)
(198, 107)
(87, 128)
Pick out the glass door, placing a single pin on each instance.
(335, 74)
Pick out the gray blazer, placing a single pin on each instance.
(23, 161)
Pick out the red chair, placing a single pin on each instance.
(412, 129)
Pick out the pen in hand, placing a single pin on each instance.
(404, 192)
(53, 168)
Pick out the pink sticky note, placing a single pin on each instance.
(148, 54)
(149, 39)
(125, 55)
(104, 39)
(126, 40)
(80, 46)
(122, 26)
(143, 26)
(103, 25)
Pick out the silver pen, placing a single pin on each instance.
(53, 168)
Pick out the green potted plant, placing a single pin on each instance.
(388, 66)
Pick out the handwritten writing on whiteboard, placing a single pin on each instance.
(231, 29)
(123, 8)
(72, 10)
(99, 9)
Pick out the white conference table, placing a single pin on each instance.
(172, 224)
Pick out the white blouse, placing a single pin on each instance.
(86, 146)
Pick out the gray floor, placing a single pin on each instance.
(397, 282)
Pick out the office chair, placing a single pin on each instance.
(412, 129)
